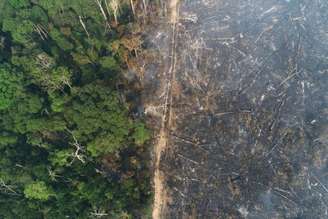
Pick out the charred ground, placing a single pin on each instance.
(247, 132)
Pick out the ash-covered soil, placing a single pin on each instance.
(246, 118)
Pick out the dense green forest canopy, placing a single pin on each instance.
(69, 145)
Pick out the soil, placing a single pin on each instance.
(160, 195)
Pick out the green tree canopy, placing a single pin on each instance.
(10, 87)
(38, 190)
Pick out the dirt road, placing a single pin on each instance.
(160, 195)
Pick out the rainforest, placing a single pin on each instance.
(71, 144)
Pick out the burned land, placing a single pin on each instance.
(239, 91)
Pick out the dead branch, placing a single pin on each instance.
(181, 193)
(188, 159)
(185, 140)
(289, 77)
(321, 184)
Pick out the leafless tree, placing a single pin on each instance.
(53, 175)
(99, 213)
(79, 150)
(8, 189)
(43, 33)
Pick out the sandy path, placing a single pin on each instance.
(160, 196)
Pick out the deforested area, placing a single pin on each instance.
(164, 109)
(237, 93)
(72, 142)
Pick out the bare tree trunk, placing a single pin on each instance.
(41, 31)
(145, 6)
(107, 7)
(132, 7)
(84, 27)
(115, 6)
(102, 11)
